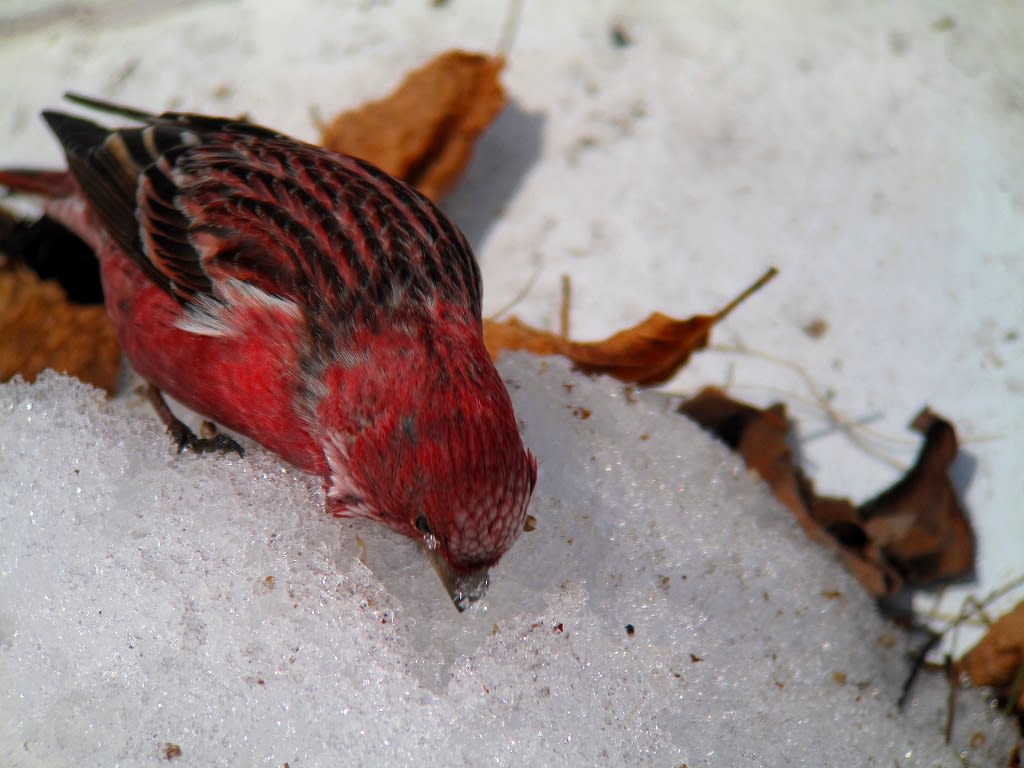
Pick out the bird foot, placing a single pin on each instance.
(185, 437)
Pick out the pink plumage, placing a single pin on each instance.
(312, 302)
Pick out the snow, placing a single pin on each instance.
(869, 152)
(207, 602)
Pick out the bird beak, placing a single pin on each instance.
(464, 588)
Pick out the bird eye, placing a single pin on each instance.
(423, 525)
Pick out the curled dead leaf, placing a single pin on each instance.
(916, 532)
(42, 330)
(647, 354)
(423, 133)
(761, 438)
(998, 659)
(919, 522)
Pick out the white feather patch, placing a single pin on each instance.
(207, 316)
(343, 487)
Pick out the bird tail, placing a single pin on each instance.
(62, 200)
(110, 107)
(59, 184)
(48, 184)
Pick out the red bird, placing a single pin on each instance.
(312, 302)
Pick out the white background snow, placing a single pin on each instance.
(870, 153)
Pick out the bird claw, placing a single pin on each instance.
(186, 438)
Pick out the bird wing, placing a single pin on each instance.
(129, 178)
(201, 202)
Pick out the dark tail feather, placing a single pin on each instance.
(108, 106)
(78, 136)
(52, 184)
(186, 120)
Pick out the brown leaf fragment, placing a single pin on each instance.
(423, 133)
(919, 522)
(998, 659)
(765, 448)
(647, 354)
(718, 413)
(916, 532)
(171, 751)
(42, 330)
(858, 553)
(761, 438)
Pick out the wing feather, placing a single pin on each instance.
(200, 202)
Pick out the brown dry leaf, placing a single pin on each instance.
(916, 532)
(998, 660)
(423, 133)
(760, 437)
(861, 556)
(646, 354)
(42, 330)
(919, 522)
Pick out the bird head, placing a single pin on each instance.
(438, 459)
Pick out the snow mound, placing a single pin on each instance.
(666, 611)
